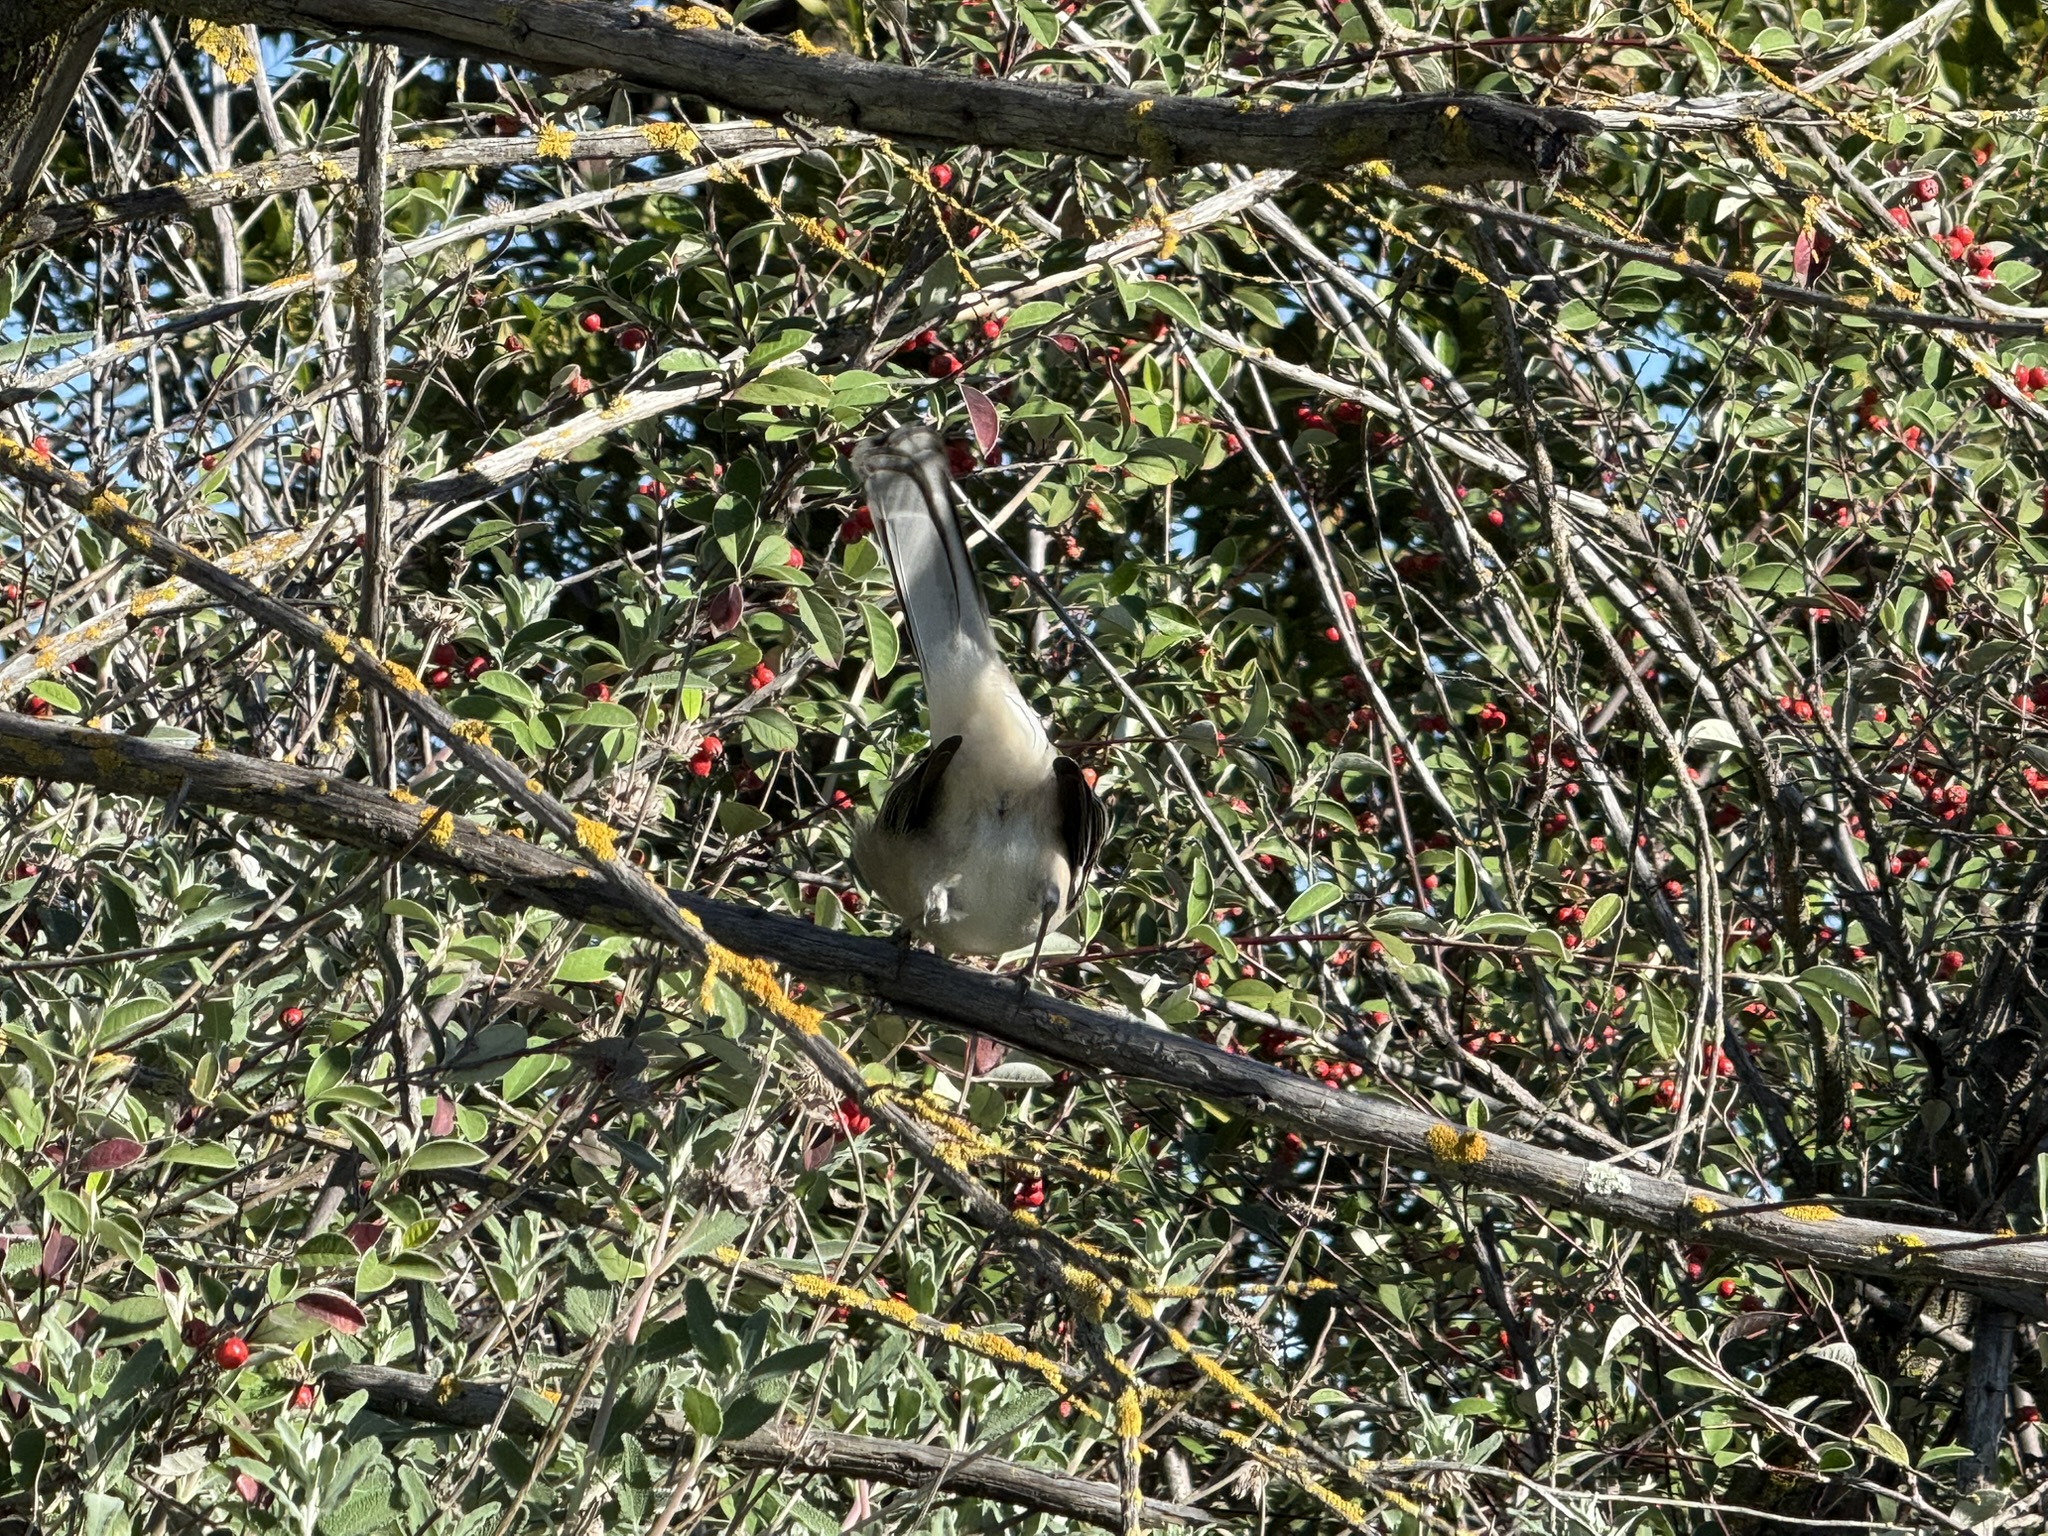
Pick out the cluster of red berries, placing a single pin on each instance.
(1335, 1074)
(1344, 413)
(760, 677)
(445, 663)
(852, 1119)
(858, 526)
(708, 752)
(1028, 1196)
(1491, 718)
(926, 351)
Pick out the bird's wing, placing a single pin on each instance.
(1083, 822)
(913, 800)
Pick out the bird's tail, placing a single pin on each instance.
(910, 494)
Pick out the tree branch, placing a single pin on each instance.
(46, 46)
(1431, 139)
(819, 1452)
(2012, 1272)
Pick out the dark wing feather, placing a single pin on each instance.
(913, 800)
(1083, 822)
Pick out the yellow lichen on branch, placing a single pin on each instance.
(1448, 1144)
(228, 47)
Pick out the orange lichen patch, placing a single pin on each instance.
(440, 827)
(1810, 1213)
(405, 797)
(1448, 1144)
(691, 18)
(555, 142)
(806, 47)
(755, 978)
(597, 839)
(1703, 1205)
(1130, 1415)
(476, 732)
(403, 678)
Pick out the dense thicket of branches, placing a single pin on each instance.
(1563, 652)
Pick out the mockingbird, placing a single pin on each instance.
(985, 841)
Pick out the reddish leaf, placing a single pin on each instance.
(1802, 255)
(364, 1234)
(981, 412)
(58, 1252)
(333, 1309)
(444, 1116)
(114, 1152)
(819, 1152)
(725, 610)
(1065, 342)
(985, 1055)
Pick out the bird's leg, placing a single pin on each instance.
(1030, 971)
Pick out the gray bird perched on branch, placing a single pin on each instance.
(985, 842)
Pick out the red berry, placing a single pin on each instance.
(942, 176)
(513, 343)
(476, 667)
(40, 447)
(302, 1398)
(592, 322)
(1927, 189)
(231, 1353)
(796, 559)
(443, 655)
(1727, 1288)
(991, 329)
(209, 461)
(760, 677)
(195, 1332)
(1951, 963)
(440, 677)
(601, 692)
(944, 366)
(293, 1019)
(632, 338)
(853, 1120)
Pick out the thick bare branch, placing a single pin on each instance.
(2011, 1271)
(46, 46)
(817, 1452)
(1431, 139)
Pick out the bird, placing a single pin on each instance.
(986, 841)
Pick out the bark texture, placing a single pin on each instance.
(1439, 140)
(46, 46)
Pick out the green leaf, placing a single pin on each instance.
(1600, 916)
(702, 1412)
(48, 688)
(1037, 312)
(883, 645)
(585, 966)
(506, 686)
(199, 1154)
(443, 1152)
(68, 1211)
(1317, 898)
(327, 1251)
(1578, 315)
(1887, 1444)
(331, 1067)
(785, 386)
(823, 624)
(527, 1071)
